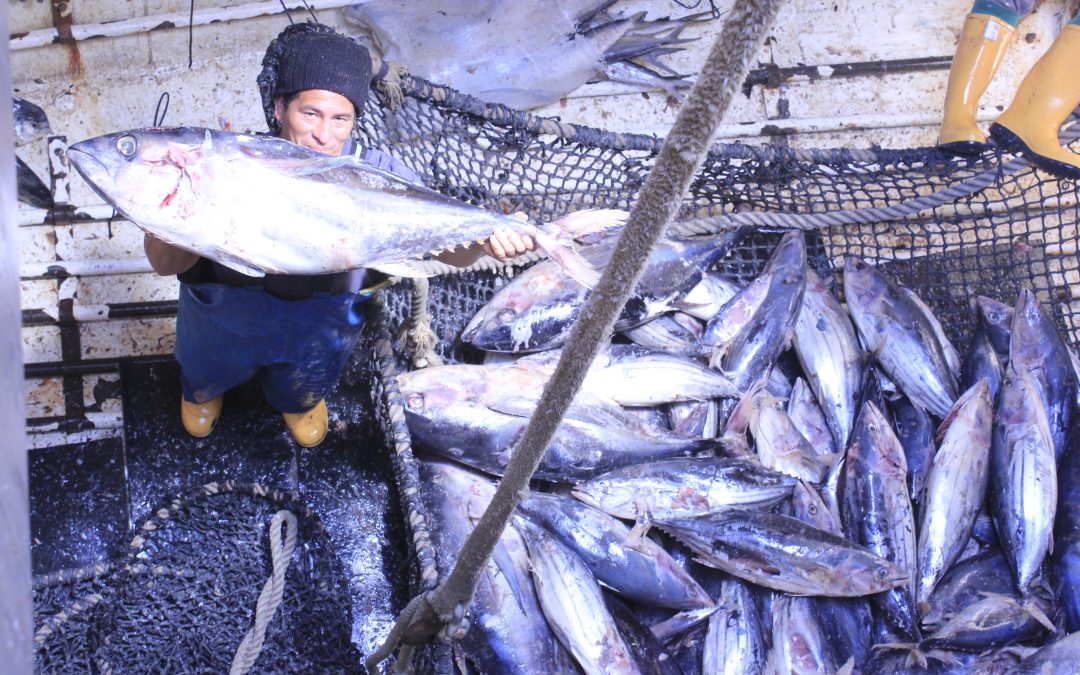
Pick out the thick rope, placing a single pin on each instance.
(416, 334)
(270, 597)
(660, 197)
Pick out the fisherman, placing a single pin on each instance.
(1044, 100)
(296, 333)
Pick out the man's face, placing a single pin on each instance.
(316, 119)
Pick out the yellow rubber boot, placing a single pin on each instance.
(199, 418)
(982, 45)
(1045, 98)
(308, 428)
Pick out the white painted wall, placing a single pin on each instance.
(108, 84)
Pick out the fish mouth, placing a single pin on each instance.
(85, 162)
(472, 329)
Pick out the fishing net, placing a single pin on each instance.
(948, 227)
(186, 594)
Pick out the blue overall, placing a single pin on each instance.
(1009, 11)
(226, 335)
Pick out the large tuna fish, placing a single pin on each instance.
(476, 414)
(684, 487)
(767, 333)
(1023, 475)
(876, 510)
(829, 351)
(574, 605)
(735, 640)
(902, 336)
(1036, 346)
(264, 205)
(955, 488)
(646, 573)
(771, 550)
(537, 309)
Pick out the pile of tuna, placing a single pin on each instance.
(757, 478)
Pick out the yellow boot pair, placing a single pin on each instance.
(308, 428)
(1044, 100)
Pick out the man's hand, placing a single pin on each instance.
(503, 245)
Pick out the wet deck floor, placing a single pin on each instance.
(87, 499)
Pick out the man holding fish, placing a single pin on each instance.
(295, 332)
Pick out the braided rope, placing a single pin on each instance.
(270, 597)
(416, 334)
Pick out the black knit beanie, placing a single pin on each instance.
(324, 60)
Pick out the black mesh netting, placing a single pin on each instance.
(948, 227)
(186, 595)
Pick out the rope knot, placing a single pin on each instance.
(456, 624)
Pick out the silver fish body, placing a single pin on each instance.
(915, 430)
(769, 549)
(646, 573)
(799, 645)
(507, 633)
(1036, 346)
(635, 376)
(1023, 475)
(756, 347)
(734, 640)
(828, 349)
(476, 414)
(994, 621)
(574, 604)
(675, 333)
(537, 310)
(876, 510)
(711, 293)
(808, 418)
(684, 487)
(899, 334)
(779, 444)
(955, 488)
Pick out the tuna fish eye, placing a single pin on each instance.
(506, 315)
(415, 402)
(127, 145)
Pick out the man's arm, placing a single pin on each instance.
(167, 259)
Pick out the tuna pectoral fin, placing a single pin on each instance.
(641, 528)
(915, 654)
(569, 260)
(848, 668)
(581, 224)
(238, 265)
